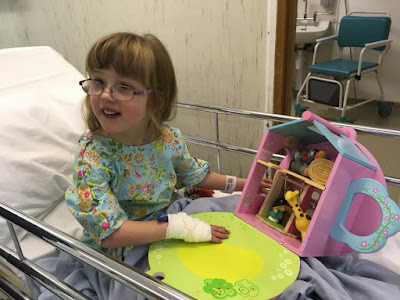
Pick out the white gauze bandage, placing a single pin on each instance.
(183, 227)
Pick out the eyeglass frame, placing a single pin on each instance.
(135, 92)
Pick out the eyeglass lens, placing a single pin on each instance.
(120, 92)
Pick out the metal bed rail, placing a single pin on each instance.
(217, 110)
(279, 118)
(131, 277)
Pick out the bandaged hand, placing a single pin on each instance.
(193, 230)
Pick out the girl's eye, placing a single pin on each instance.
(124, 87)
(98, 80)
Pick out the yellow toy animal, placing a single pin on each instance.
(302, 219)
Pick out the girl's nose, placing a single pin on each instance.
(107, 94)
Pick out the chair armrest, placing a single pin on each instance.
(326, 39)
(372, 46)
(378, 44)
(322, 41)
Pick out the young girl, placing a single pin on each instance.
(128, 167)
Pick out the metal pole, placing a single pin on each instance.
(20, 254)
(218, 149)
(281, 118)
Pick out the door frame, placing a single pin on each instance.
(284, 56)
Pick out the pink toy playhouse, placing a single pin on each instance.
(328, 195)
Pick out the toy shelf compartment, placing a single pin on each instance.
(293, 174)
(285, 180)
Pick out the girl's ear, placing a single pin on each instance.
(151, 104)
(157, 102)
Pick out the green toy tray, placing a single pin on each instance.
(248, 265)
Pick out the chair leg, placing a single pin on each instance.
(384, 107)
(343, 118)
(379, 84)
(346, 94)
(298, 108)
(302, 88)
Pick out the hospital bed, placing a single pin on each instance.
(41, 122)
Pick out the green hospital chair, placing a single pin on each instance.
(328, 82)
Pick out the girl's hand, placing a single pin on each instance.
(219, 233)
(265, 186)
(193, 230)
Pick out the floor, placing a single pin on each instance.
(384, 149)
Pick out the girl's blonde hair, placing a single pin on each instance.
(142, 58)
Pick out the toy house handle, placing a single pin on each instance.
(390, 223)
(347, 131)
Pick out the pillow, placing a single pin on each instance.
(40, 124)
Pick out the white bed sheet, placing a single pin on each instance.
(40, 123)
(59, 217)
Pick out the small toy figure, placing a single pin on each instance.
(301, 155)
(299, 167)
(321, 154)
(275, 214)
(302, 218)
(303, 158)
(311, 156)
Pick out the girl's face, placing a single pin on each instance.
(124, 121)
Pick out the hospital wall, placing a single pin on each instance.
(219, 48)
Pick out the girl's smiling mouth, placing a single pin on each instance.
(110, 113)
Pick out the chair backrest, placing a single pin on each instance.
(356, 31)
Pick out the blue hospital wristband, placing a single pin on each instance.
(162, 219)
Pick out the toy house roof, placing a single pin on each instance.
(301, 129)
(317, 133)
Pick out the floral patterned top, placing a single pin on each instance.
(115, 182)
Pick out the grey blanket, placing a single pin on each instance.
(330, 278)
